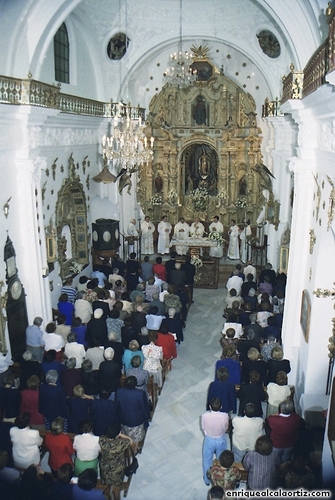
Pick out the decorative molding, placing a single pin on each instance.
(312, 240)
(331, 205)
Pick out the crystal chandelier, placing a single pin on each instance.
(128, 147)
(179, 73)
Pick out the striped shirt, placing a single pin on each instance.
(71, 293)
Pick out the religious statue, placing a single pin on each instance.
(125, 179)
(204, 165)
(242, 188)
(159, 183)
(200, 113)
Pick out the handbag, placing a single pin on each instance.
(131, 468)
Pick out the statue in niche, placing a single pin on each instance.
(200, 112)
(201, 168)
(158, 183)
(203, 165)
(242, 186)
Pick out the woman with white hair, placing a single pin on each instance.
(134, 349)
(53, 400)
(110, 373)
(74, 350)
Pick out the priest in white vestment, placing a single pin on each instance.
(148, 229)
(132, 233)
(233, 247)
(244, 241)
(216, 227)
(181, 232)
(164, 229)
(197, 229)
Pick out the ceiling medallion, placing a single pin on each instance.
(269, 44)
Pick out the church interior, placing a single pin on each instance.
(113, 110)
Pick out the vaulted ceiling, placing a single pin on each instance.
(228, 27)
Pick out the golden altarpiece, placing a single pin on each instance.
(207, 158)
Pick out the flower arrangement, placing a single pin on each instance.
(75, 267)
(199, 199)
(156, 200)
(241, 202)
(196, 262)
(216, 236)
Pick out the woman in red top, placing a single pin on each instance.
(30, 402)
(59, 445)
(159, 269)
(167, 341)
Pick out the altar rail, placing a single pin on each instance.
(34, 93)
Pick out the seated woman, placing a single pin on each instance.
(229, 361)
(30, 402)
(224, 389)
(26, 442)
(28, 367)
(79, 408)
(133, 409)
(153, 355)
(71, 376)
(59, 446)
(113, 445)
(254, 362)
(253, 392)
(66, 307)
(90, 378)
(53, 400)
(85, 488)
(61, 489)
(228, 340)
(142, 376)
(87, 448)
(277, 392)
(134, 350)
(74, 350)
(103, 412)
(10, 397)
(50, 362)
(166, 340)
(175, 325)
(277, 364)
(80, 330)
(8, 476)
(34, 484)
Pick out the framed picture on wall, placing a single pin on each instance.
(305, 315)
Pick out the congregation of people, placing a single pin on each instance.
(251, 430)
(85, 388)
(83, 391)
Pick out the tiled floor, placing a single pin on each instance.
(170, 463)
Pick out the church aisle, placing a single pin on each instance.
(170, 463)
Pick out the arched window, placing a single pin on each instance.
(62, 55)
